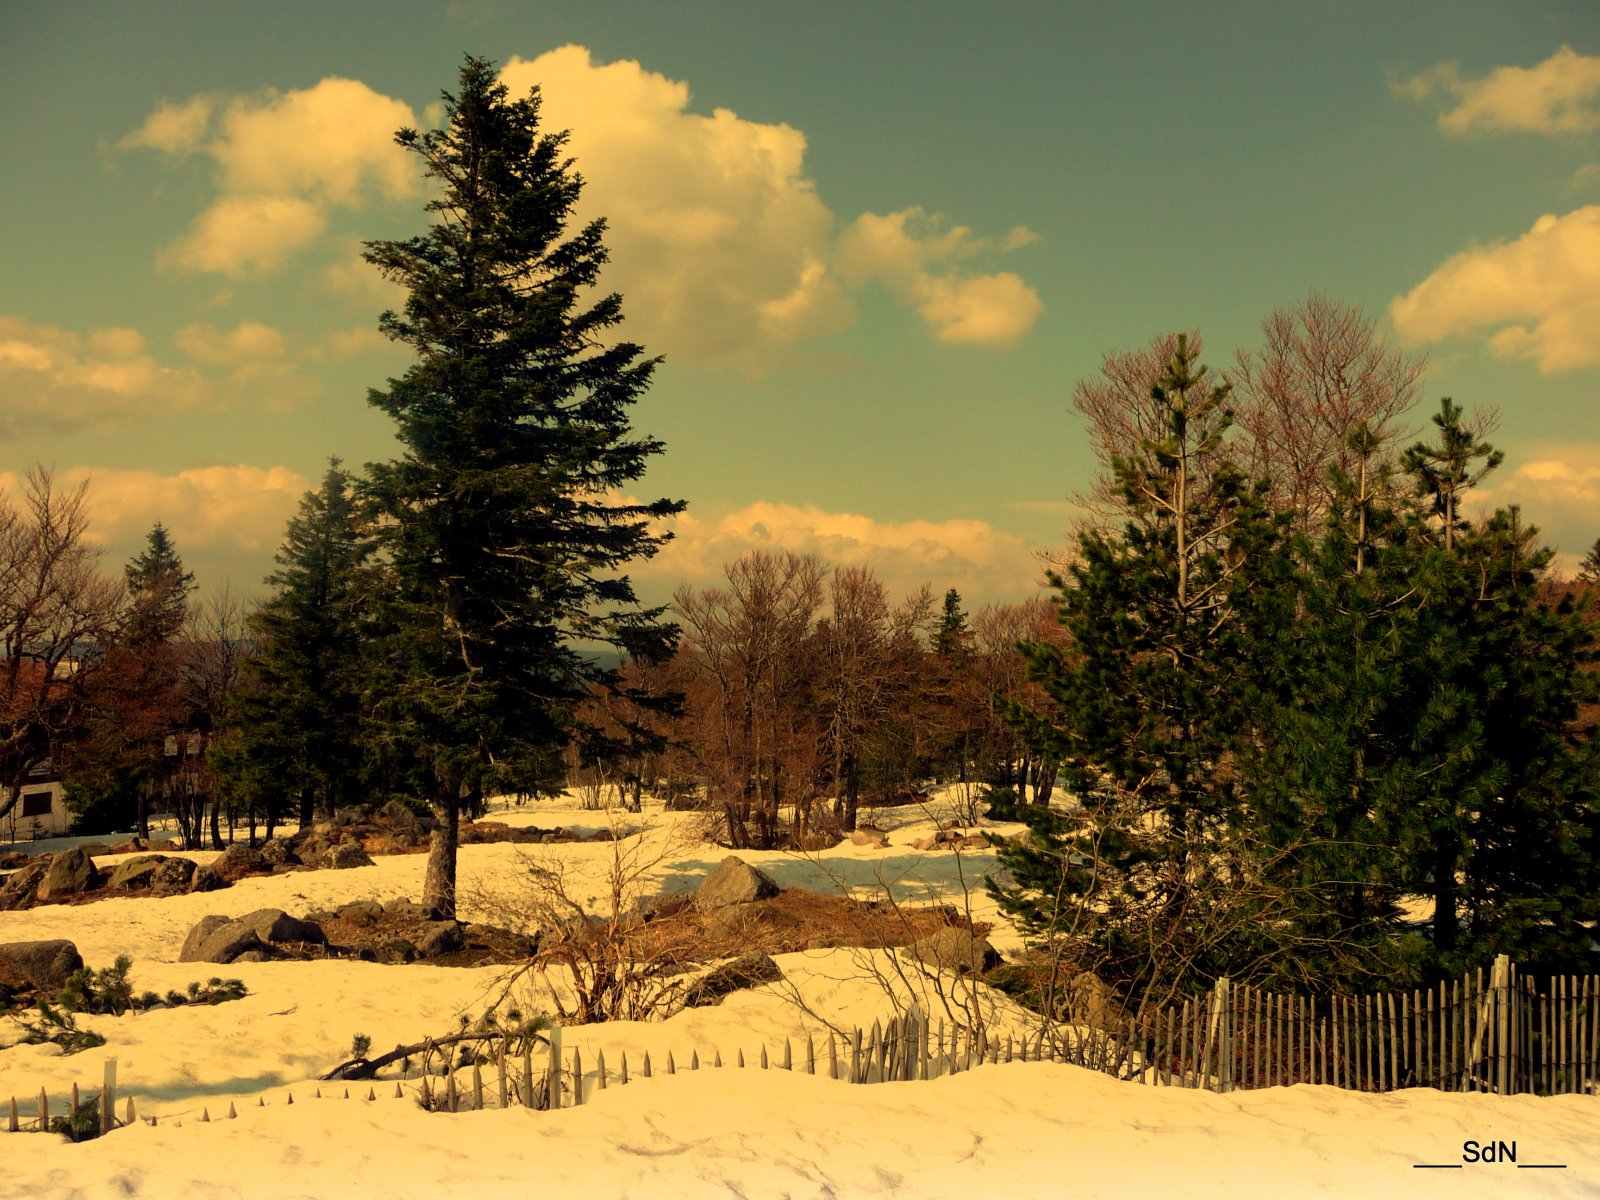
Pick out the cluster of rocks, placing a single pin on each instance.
(396, 931)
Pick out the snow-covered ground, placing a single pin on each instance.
(1019, 1130)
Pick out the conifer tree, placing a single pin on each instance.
(500, 525)
(299, 737)
(1144, 701)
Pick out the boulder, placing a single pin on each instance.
(219, 939)
(869, 837)
(396, 950)
(71, 873)
(22, 886)
(263, 954)
(362, 912)
(438, 937)
(746, 971)
(958, 950)
(135, 873)
(279, 852)
(818, 840)
(206, 879)
(41, 965)
(173, 873)
(402, 907)
(275, 925)
(645, 909)
(400, 819)
(238, 861)
(344, 856)
(734, 881)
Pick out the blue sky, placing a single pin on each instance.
(876, 244)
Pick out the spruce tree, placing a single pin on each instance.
(299, 739)
(501, 526)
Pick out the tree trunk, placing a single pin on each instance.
(216, 827)
(852, 793)
(439, 882)
(307, 811)
(1446, 925)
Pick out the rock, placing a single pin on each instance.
(173, 873)
(227, 943)
(278, 852)
(645, 909)
(869, 837)
(929, 843)
(22, 887)
(275, 925)
(439, 937)
(14, 860)
(203, 929)
(734, 881)
(240, 860)
(206, 879)
(249, 956)
(133, 845)
(41, 965)
(71, 873)
(399, 818)
(135, 873)
(402, 907)
(746, 971)
(817, 840)
(397, 950)
(362, 912)
(345, 855)
(958, 950)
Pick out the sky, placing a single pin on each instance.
(875, 245)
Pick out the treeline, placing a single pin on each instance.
(1291, 704)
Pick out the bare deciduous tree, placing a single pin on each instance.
(55, 606)
(1323, 372)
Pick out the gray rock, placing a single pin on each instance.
(645, 909)
(275, 925)
(203, 929)
(226, 943)
(206, 879)
(397, 950)
(175, 873)
(344, 856)
(239, 860)
(71, 873)
(746, 971)
(249, 956)
(362, 912)
(402, 907)
(869, 837)
(43, 965)
(439, 937)
(279, 852)
(136, 872)
(22, 886)
(957, 950)
(734, 881)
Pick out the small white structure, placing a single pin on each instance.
(40, 813)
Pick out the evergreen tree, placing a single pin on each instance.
(1145, 708)
(951, 637)
(1589, 567)
(158, 591)
(298, 742)
(500, 528)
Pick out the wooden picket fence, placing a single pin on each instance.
(1507, 1034)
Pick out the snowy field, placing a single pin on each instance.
(1023, 1130)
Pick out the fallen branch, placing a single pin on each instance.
(366, 1068)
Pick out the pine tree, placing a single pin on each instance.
(500, 526)
(299, 737)
(1145, 706)
(1589, 568)
(158, 590)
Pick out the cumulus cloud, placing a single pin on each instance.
(720, 244)
(1539, 294)
(284, 160)
(1558, 488)
(983, 562)
(1559, 95)
(237, 507)
(57, 381)
(261, 365)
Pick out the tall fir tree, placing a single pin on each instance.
(297, 748)
(500, 525)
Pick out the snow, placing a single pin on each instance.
(1020, 1130)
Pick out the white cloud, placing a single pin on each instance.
(981, 561)
(1559, 95)
(1542, 291)
(250, 342)
(719, 242)
(238, 507)
(174, 128)
(262, 367)
(284, 161)
(916, 255)
(56, 381)
(1558, 488)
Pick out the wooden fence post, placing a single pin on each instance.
(1501, 984)
(553, 1071)
(108, 1098)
